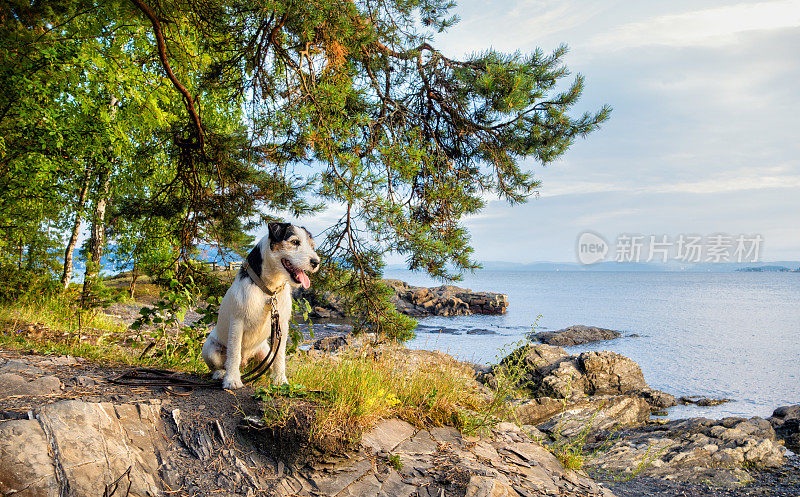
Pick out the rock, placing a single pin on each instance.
(12, 384)
(786, 423)
(548, 371)
(326, 312)
(597, 413)
(575, 335)
(88, 445)
(387, 435)
(421, 443)
(657, 399)
(610, 373)
(701, 401)
(535, 411)
(695, 449)
(445, 300)
(27, 468)
(64, 360)
(481, 331)
(17, 366)
(483, 486)
(86, 381)
(331, 344)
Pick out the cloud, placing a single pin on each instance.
(733, 181)
(594, 218)
(517, 25)
(708, 27)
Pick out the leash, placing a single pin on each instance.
(151, 377)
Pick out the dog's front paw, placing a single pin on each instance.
(218, 374)
(280, 381)
(231, 383)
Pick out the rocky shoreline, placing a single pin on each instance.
(599, 399)
(78, 434)
(445, 300)
(62, 406)
(607, 392)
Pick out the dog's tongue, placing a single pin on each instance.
(302, 278)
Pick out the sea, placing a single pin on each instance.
(720, 335)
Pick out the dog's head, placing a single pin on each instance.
(291, 249)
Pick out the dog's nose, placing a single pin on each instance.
(314, 263)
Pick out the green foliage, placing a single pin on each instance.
(175, 342)
(395, 462)
(508, 382)
(23, 284)
(289, 390)
(299, 307)
(264, 112)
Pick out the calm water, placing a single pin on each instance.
(732, 335)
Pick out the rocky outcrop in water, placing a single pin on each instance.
(602, 398)
(786, 422)
(445, 300)
(574, 335)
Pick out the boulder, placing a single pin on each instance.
(548, 371)
(538, 410)
(785, 421)
(331, 344)
(610, 373)
(575, 335)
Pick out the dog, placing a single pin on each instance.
(280, 261)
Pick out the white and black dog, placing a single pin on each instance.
(280, 260)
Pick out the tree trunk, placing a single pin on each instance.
(134, 277)
(98, 235)
(73, 238)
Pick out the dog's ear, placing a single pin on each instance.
(278, 232)
(255, 261)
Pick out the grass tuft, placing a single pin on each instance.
(362, 387)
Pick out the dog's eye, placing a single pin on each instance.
(296, 243)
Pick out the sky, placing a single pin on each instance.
(703, 134)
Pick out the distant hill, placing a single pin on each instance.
(671, 266)
(767, 269)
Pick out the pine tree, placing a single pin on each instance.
(266, 108)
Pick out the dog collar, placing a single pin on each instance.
(259, 282)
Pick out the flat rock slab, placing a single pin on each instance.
(387, 435)
(335, 482)
(82, 446)
(26, 467)
(63, 360)
(14, 366)
(447, 434)
(421, 443)
(14, 384)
